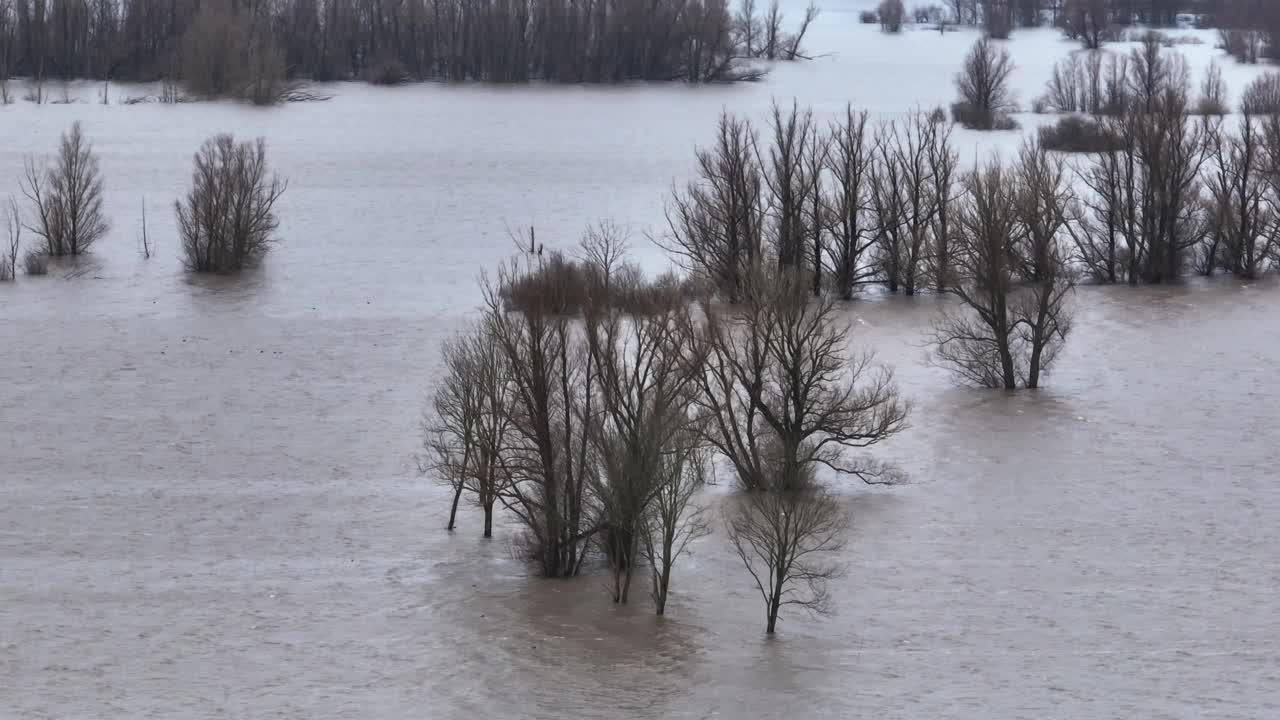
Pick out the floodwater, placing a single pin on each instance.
(209, 506)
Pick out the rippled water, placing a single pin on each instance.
(209, 505)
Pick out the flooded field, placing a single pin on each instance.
(210, 507)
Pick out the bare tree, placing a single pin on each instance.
(715, 227)
(549, 458)
(772, 31)
(449, 433)
(789, 181)
(792, 50)
(146, 241)
(892, 14)
(904, 193)
(13, 237)
(849, 164)
(674, 519)
(644, 385)
(66, 198)
(228, 221)
(783, 393)
(1012, 280)
(943, 160)
(465, 434)
(1088, 21)
(783, 538)
(983, 84)
(1243, 231)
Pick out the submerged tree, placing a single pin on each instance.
(66, 198)
(228, 220)
(852, 222)
(674, 518)
(465, 435)
(716, 225)
(783, 538)
(783, 393)
(1011, 276)
(983, 84)
(644, 382)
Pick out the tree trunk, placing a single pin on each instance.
(453, 510)
(488, 519)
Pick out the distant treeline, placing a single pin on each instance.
(1250, 28)
(217, 44)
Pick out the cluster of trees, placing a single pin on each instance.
(1076, 17)
(225, 223)
(248, 48)
(1169, 185)
(849, 203)
(594, 404)
(591, 404)
(1248, 29)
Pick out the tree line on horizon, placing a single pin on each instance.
(1248, 29)
(218, 47)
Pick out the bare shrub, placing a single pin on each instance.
(227, 221)
(35, 263)
(389, 72)
(1262, 96)
(66, 198)
(1213, 93)
(983, 84)
(868, 17)
(892, 14)
(1245, 45)
(782, 537)
(558, 284)
(1065, 91)
(1077, 134)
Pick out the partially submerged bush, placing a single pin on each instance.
(974, 118)
(1078, 134)
(1213, 93)
(1245, 46)
(66, 198)
(35, 263)
(388, 72)
(892, 15)
(227, 221)
(562, 285)
(983, 84)
(1262, 97)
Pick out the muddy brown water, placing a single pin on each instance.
(209, 506)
